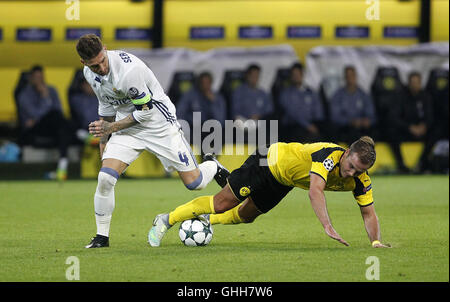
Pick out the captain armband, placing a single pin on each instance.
(141, 101)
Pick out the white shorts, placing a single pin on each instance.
(172, 150)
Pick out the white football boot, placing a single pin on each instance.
(204, 218)
(160, 227)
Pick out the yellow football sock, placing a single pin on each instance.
(195, 207)
(228, 217)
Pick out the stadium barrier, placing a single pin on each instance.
(147, 165)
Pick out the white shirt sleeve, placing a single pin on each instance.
(138, 92)
(104, 108)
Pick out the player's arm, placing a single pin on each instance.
(140, 96)
(102, 127)
(319, 205)
(372, 226)
(104, 139)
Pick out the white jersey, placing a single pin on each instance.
(130, 87)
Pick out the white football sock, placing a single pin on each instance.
(207, 169)
(104, 201)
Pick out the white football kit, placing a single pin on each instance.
(130, 87)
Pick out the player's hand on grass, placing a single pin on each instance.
(100, 128)
(380, 245)
(334, 235)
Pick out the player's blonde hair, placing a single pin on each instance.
(365, 148)
(89, 46)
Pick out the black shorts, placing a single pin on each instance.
(255, 180)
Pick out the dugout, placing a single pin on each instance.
(48, 33)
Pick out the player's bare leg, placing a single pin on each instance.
(104, 200)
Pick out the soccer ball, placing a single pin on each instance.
(193, 232)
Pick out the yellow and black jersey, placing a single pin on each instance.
(292, 163)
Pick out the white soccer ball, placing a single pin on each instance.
(194, 232)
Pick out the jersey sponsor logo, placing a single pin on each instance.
(116, 102)
(244, 191)
(328, 164)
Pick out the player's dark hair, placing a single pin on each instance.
(205, 74)
(89, 46)
(297, 65)
(365, 148)
(414, 74)
(36, 68)
(201, 76)
(252, 67)
(349, 67)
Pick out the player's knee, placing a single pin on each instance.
(248, 219)
(224, 200)
(195, 183)
(248, 216)
(191, 187)
(106, 181)
(221, 206)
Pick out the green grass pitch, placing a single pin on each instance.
(43, 223)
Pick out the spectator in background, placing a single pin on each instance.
(302, 110)
(84, 109)
(248, 101)
(202, 99)
(42, 115)
(418, 117)
(352, 110)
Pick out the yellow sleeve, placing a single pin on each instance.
(363, 190)
(324, 161)
(322, 168)
(319, 169)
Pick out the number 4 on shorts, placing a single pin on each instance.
(183, 158)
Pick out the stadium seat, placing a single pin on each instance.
(182, 82)
(231, 80)
(74, 88)
(280, 82)
(386, 81)
(329, 85)
(437, 84)
(386, 89)
(437, 87)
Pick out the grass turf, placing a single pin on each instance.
(43, 223)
